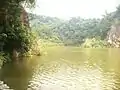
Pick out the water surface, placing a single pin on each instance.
(65, 68)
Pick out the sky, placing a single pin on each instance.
(73, 8)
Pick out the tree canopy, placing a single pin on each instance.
(14, 33)
(70, 32)
(76, 30)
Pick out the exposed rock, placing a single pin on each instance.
(24, 17)
(113, 37)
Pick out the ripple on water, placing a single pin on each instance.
(4, 86)
(63, 76)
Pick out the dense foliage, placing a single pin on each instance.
(69, 32)
(94, 43)
(76, 30)
(15, 35)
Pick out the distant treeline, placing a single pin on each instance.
(74, 31)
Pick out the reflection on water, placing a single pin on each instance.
(3, 86)
(66, 68)
(60, 76)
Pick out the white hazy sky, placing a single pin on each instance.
(72, 8)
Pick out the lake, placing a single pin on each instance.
(65, 68)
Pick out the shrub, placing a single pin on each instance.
(94, 43)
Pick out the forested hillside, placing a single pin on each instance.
(76, 30)
(70, 32)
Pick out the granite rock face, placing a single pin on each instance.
(113, 37)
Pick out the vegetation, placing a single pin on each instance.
(75, 31)
(17, 38)
(15, 35)
(21, 37)
(69, 32)
(94, 43)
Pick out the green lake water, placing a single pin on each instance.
(65, 68)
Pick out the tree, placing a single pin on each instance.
(14, 30)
